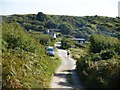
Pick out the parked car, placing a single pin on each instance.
(58, 45)
(50, 51)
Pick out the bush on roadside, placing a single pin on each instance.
(66, 43)
(100, 67)
(24, 62)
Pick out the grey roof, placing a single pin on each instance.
(78, 39)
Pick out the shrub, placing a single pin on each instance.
(100, 68)
(67, 43)
(100, 42)
(43, 39)
(100, 74)
(107, 54)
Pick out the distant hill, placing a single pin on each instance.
(68, 25)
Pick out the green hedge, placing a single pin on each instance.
(101, 74)
(100, 42)
(100, 67)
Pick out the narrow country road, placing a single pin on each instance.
(67, 68)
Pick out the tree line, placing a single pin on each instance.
(68, 25)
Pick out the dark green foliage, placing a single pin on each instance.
(107, 54)
(13, 41)
(96, 57)
(117, 35)
(100, 42)
(41, 16)
(117, 48)
(44, 39)
(51, 24)
(65, 28)
(66, 43)
(75, 26)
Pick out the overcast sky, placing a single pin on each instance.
(60, 7)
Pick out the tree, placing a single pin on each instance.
(99, 43)
(65, 28)
(41, 16)
(51, 24)
(66, 43)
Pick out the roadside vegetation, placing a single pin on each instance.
(24, 62)
(43, 39)
(100, 68)
(66, 43)
(76, 53)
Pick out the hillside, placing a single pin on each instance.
(24, 62)
(68, 25)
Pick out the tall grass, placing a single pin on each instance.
(25, 64)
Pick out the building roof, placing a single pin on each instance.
(78, 39)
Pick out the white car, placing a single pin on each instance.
(50, 51)
(58, 44)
